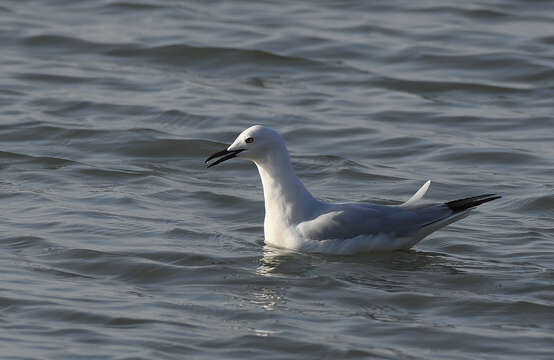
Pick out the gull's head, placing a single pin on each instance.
(256, 143)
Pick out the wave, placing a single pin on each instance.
(213, 58)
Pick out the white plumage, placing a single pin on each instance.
(295, 220)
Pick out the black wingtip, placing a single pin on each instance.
(470, 202)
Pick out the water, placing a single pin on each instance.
(117, 243)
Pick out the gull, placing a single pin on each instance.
(296, 220)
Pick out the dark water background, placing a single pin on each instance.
(117, 243)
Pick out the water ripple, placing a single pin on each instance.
(117, 242)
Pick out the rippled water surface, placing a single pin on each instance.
(117, 243)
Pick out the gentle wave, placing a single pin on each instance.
(117, 242)
(51, 44)
(210, 58)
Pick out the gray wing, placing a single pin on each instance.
(345, 221)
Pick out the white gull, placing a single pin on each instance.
(295, 220)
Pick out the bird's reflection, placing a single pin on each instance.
(278, 267)
(285, 263)
(279, 270)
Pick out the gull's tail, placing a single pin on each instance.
(460, 209)
(470, 202)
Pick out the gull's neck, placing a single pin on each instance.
(286, 199)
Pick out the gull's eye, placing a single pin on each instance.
(249, 140)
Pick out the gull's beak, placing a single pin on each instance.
(226, 156)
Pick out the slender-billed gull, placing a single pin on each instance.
(295, 220)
